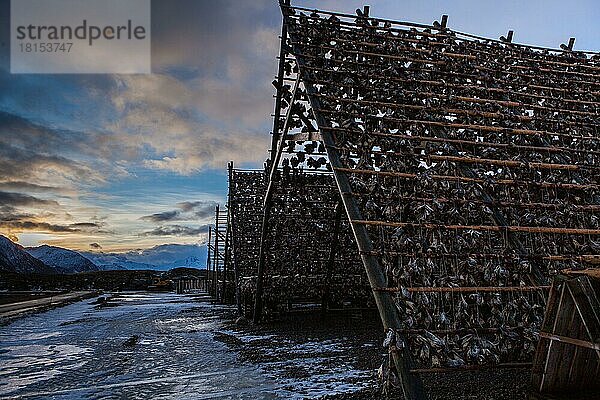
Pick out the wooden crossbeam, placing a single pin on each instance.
(454, 178)
(464, 289)
(576, 342)
(493, 228)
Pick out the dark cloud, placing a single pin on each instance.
(201, 209)
(30, 187)
(17, 164)
(188, 210)
(95, 246)
(176, 230)
(37, 226)
(189, 205)
(13, 220)
(35, 154)
(86, 225)
(162, 217)
(9, 213)
(23, 200)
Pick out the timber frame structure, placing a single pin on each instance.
(221, 277)
(466, 170)
(310, 251)
(568, 351)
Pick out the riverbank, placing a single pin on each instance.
(14, 310)
(17, 296)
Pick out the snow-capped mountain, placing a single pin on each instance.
(113, 261)
(51, 259)
(14, 258)
(63, 260)
(162, 257)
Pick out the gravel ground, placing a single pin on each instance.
(334, 353)
(282, 347)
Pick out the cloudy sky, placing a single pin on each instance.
(119, 162)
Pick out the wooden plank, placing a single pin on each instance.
(584, 295)
(591, 272)
(453, 178)
(493, 228)
(562, 373)
(594, 306)
(538, 369)
(280, 79)
(578, 288)
(554, 348)
(216, 254)
(586, 370)
(579, 370)
(568, 339)
(464, 289)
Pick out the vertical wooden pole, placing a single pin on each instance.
(216, 253)
(208, 261)
(280, 70)
(258, 301)
(236, 272)
(339, 209)
(276, 138)
(267, 204)
(227, 261)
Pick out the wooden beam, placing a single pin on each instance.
(495, 228)
(280, 77)
(412, 386)
(464, 289)
(267, 204)
(452, 178)
(335, 239)
(216, 255)
(208, 260)
(569, 340)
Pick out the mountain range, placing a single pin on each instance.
(14, 258)
(62, 260)
(162, 257)
(52, 259)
